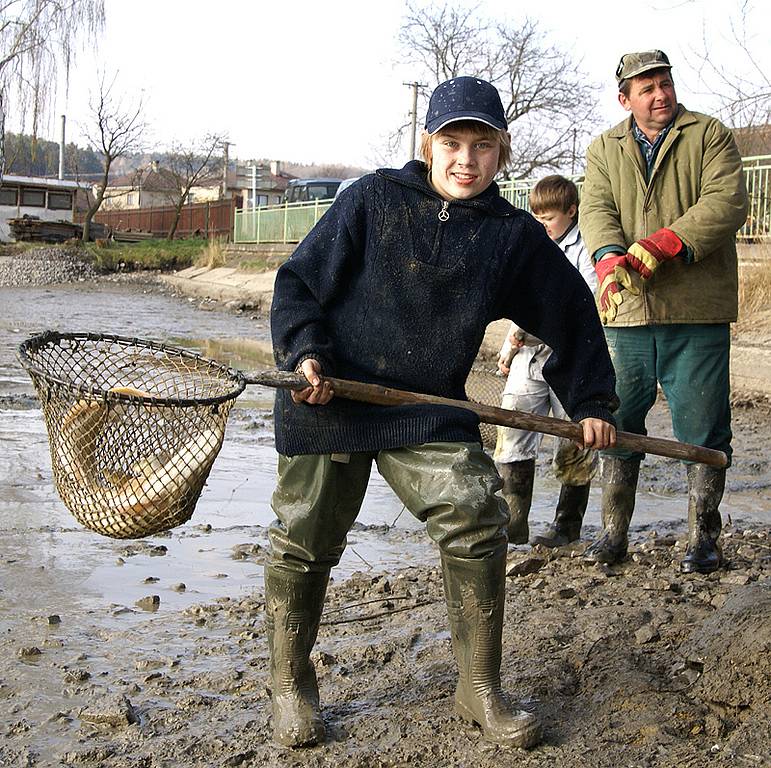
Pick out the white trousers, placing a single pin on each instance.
(572, 465)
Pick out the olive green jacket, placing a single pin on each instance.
(697, 190)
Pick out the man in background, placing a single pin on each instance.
(663, 198)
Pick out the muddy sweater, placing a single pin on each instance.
(384, 290)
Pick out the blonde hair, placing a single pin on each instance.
(478, 130)
(553, 193)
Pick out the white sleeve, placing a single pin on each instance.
(506, 346)
(584, 263)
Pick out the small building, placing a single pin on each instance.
(156, 187)
(150, 187)
(257, 184)
(46, 199)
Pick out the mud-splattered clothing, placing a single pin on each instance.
(697, 190)
(451, 487)
(385, 290)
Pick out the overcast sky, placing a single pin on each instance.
(312, 81)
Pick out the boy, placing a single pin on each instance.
(554, 202)
(395, 285)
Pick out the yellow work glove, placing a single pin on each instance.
(645, 256)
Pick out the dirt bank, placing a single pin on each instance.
(635, 665)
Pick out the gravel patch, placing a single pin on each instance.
(45, 266)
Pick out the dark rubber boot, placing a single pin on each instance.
(474, 590)
(566, 527)
(619, 485)
(705, 491)
(518, 477)
(293, 605)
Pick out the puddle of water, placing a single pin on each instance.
(127, 311)
(69, 569)
(243, 354)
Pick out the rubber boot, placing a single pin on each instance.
(293, 605)
(705, 491)
(568, 517)
(518, 477)
(619, 485)
(474, 590)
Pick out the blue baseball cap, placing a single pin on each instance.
(465, 98)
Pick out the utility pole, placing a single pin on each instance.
(62, 148)
(226, 145)
(413, 113)
(573, 154)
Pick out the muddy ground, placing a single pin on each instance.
(635, 665)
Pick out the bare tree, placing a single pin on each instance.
(37, 39)
(549, 101)
(115, 130)
(189, 166)
(743, 89)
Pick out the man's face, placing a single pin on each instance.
(652, 101)
(463, 164)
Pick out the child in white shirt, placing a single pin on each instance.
(554, 202)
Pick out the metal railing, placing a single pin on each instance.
(286, 223)
(290, 222)
(757, 173)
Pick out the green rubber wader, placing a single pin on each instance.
(474, 590)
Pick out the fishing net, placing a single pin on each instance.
(133, 426)
(485, 386)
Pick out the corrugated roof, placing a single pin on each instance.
(42, 181)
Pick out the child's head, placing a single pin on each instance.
(465, 134)
(475, 129)
(554, 202)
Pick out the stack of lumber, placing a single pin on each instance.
(33, 229)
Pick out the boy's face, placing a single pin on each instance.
(463, 163)
(557, 222)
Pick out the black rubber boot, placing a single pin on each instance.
(705, 491)
(518, 477)
(474, 590)
(619, 485)
(566, 527)
(293, 606)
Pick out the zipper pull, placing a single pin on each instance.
(444, 214)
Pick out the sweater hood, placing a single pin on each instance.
(415, 175)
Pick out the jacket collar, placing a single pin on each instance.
(624, 134)
(682, 118)
(415, 175)
(571, 237)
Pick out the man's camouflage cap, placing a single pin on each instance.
(633, 64)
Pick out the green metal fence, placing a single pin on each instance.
(290, 222)
(287, 223)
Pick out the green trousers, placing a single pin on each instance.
(691, 362)
(449, 486)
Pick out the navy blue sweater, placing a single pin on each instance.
(383, 291)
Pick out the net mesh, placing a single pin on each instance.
(485, 386)
(133, 427)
